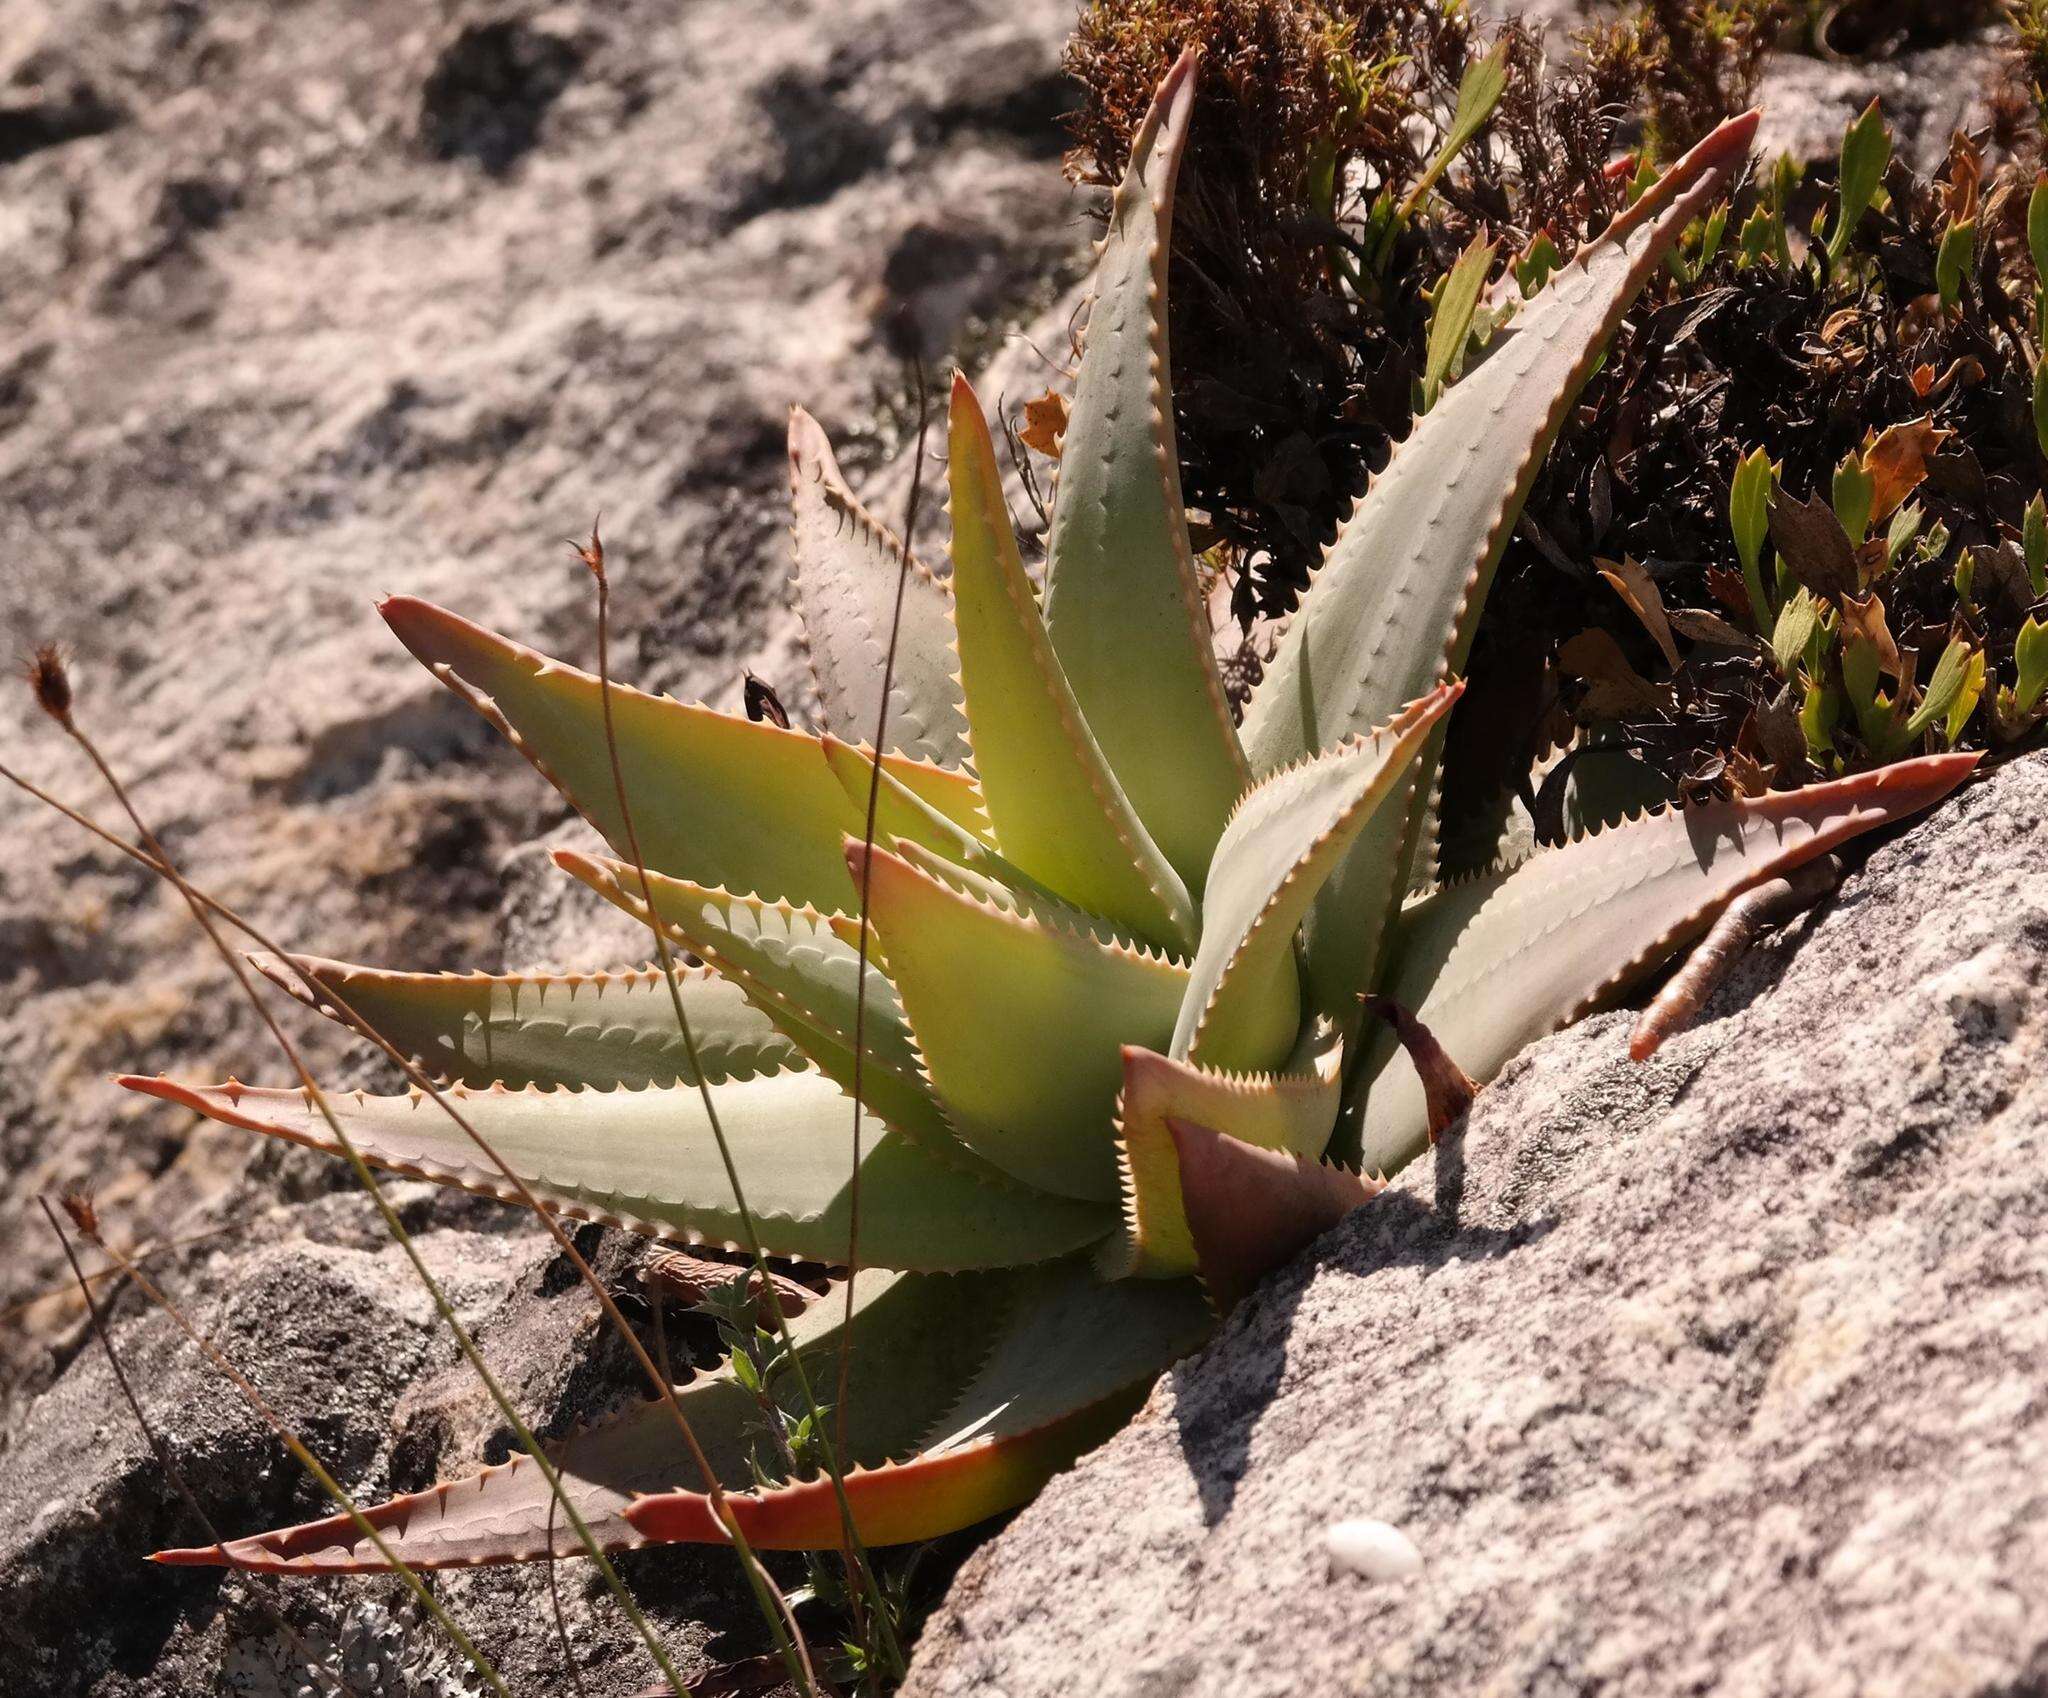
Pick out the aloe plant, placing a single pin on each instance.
(1113, 1064)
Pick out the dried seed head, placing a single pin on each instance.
(51, 681)
(591, 553)
(78, 1204)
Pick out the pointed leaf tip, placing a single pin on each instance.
(1249, 1210)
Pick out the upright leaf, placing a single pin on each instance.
(1749, 516)
(1242, 1011)
(1392, 609)
(1450, 318)
(1479, 91)
(1058, 810)
(847, 567)
(1123, 602)
(1020, 1024)
(1866, 151)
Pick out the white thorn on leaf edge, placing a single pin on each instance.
(1373, 1550)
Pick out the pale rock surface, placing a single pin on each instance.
(304, 303)
(1721, 1375)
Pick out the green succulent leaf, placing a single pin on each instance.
(1058, 810)
(2034, 545)
(1242, 1011)
(2037, 225)
(1123, 602)
(1866, 151)
(847, 567)
(716, 798)
(1392, 610)
(1953, 259)
(598, 1029)
(1492, 964)
(1749, 515)
(795, 968)
(1951, 674)
(1450, 319)
(1479, 91)
(1854, 492)
(1019, 1023)
(647, 1160)
(1798, 619)
(2030, 655)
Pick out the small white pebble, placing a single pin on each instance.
(1372, 1550)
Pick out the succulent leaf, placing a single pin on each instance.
(646, 1160)
(1243, 1006)
(1392, 609)
(1057, 809)
(917, 1339)
(846, 571)
(1249, 1210)
(601, 1029)
(1494, 963)
(716, 798)
(1025, 897)
(804, 978)
(1071, 1363)
(1019, 1023)
(1123, 601)
(1291, 1112)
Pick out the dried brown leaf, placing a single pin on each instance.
(1636, 587)
(1813, 545)
(1896, 459)
(1863, 617)
(1614, 687)
(1702, 626)
(1045, 424)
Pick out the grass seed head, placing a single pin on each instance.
(50, 678)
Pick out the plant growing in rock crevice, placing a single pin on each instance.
(1113, 1061)
(1839, 464)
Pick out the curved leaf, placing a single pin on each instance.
(847, 566)
(647, 1161)
(1250, 1210)
(1491, 964)
(602, 1029)
(1392, 609)
(1289, 1112)
(917, 1339)
(1123, 601)
(1243, 1006)
(1019, 1023)
(1057, 809)
(716, 798)
(1073, 1361)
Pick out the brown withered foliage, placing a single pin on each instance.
(1806, 367)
